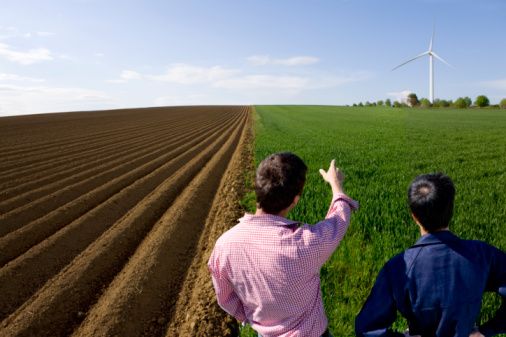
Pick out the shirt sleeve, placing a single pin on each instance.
(225, 294)
(330, 232)
(497, 283)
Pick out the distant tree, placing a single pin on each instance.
(502, 104)
(425, 103)
(468, 101)
(460, 103)
(360, 104)
(441, 103)
(354, 104)
(412, 100)
(397, 104)
(367, 103)
(388, 102)
(379, 103)
(482, 101)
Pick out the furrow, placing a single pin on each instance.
(57, 307)
(196, 312)
(41, 170)
(78, 201)
(64, 125)
(20, 278)
(104, 133)
(81, 164)
(148, 285)
(56, 156)
(38, 208)
(61, 146)
(27, 132)
(53, 182)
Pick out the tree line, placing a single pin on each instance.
(412, 101)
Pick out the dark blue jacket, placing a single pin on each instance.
(437, 285)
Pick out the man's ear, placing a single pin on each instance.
(423, 231)
(295, 201)
(415, 219)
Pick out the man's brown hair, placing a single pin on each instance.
(279, 178)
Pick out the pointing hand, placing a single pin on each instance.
(334, 176)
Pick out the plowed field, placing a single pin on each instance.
(107, 219)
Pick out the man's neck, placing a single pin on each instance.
(260, 211)
(424, 232)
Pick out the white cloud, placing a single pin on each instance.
(188, 74)
(25, 58)
(14, 77)
(260, 60)
(293, 83)
(192, 84)
(13, 32)
(495, 84)
(401, 96)
(19, 100)
(242, 82)
(192, 99)
(130, 75)
(8, 32)
(127, 75)
(224, 77)
(263, 82)
(329, 80)
(44, 34)
(116, 81)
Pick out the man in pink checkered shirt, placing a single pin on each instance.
(266, 269)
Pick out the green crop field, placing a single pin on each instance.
(380, 151)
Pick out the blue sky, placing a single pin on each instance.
(98, 54)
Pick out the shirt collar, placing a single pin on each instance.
(435, 238)
(267, 219)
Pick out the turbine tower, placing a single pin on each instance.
(431, 54)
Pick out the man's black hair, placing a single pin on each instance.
(430, 198)
(279, 178)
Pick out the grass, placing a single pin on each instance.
(380, 151)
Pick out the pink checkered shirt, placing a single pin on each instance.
(266, 270)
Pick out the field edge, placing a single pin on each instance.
(197, 313)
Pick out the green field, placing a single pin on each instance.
(380, 151)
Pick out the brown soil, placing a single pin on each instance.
(113, 239)
(196, 312)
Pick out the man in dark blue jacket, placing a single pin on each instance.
(438, 283)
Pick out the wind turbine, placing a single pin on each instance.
(431, 54)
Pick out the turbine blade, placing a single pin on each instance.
(414, 58)
(441, 59)
(432, 37)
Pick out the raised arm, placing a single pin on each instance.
(329, 232)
